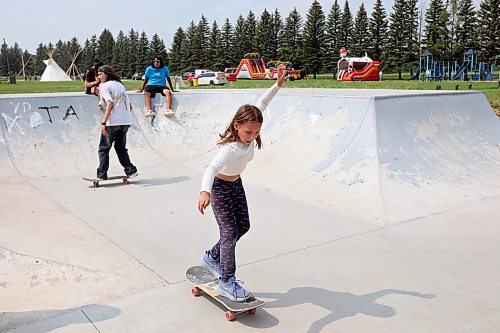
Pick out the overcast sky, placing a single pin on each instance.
(31, 22)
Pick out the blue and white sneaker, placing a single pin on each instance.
(232, 290)
(210, 264)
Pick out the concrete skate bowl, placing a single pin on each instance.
(378, 155)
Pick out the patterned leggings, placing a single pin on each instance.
(229, 205)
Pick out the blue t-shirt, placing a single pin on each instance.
(157, 76)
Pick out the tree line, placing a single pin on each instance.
(446, 28)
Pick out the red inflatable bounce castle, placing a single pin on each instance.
(357, 69)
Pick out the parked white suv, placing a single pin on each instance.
(211, 78)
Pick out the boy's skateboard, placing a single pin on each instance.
(205, 281)
(95, 181)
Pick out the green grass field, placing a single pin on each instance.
(490, 89)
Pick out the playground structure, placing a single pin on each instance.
(357, 69)
(253, 66)
(470, 69)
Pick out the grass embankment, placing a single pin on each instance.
(490, 89)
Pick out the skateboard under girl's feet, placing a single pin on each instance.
(206, 282)
(95, 181)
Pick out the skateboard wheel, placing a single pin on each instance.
(252, 311)
(96, 184)
(196, 291)
(230, 315)
(125, 181)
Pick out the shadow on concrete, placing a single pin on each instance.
(338, 304)
(161, 181)
(45, 321)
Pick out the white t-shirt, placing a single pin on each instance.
(115, 92)
(233, 157)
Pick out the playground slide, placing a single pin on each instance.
(459, 73)
(416, 75)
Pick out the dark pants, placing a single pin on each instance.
(118, 136)
(229, 205)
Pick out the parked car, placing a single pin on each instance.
(230, 74)
(211, 78)
(201, 71)
(185, 76)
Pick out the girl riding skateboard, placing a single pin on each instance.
(223, 188)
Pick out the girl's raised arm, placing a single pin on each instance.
(271, 92)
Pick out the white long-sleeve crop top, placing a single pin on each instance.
(233, 157)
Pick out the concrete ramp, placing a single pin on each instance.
(372, 210)
(382, 156)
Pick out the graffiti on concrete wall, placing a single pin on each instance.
(11, 123)
(48, 108)
(20, 109)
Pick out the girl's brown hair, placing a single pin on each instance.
(245, 114)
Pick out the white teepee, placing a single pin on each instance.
(53, 72)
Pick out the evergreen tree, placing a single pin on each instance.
(87, 55)
(239, 41)
(175, 54)
(125, 57)
(346, 26)
(41, 55)
(4, 68)
(120, 55)
(190, 48)
(185, 65)
(360, 36)
(60, 55)
(251, 32)
(157, 48)
(291, 50)
(436, 30)
(314, 30)
(264, 36)
(133, 59)
(227, 44)
(277, 35)
(105, 46)
(411, 36)
(201, 51)
(14, 53)
(378, 31)
(143, 59)
(402, 40)
(215, 50)
(332, 38)
(466, 28)
(452, 9)
(89, 52)
(488, 32)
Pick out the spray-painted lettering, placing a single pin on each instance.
(47, 108)
(11, 123)
(70, 112)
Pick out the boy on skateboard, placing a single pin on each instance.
(222, 187)
(115, 124)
